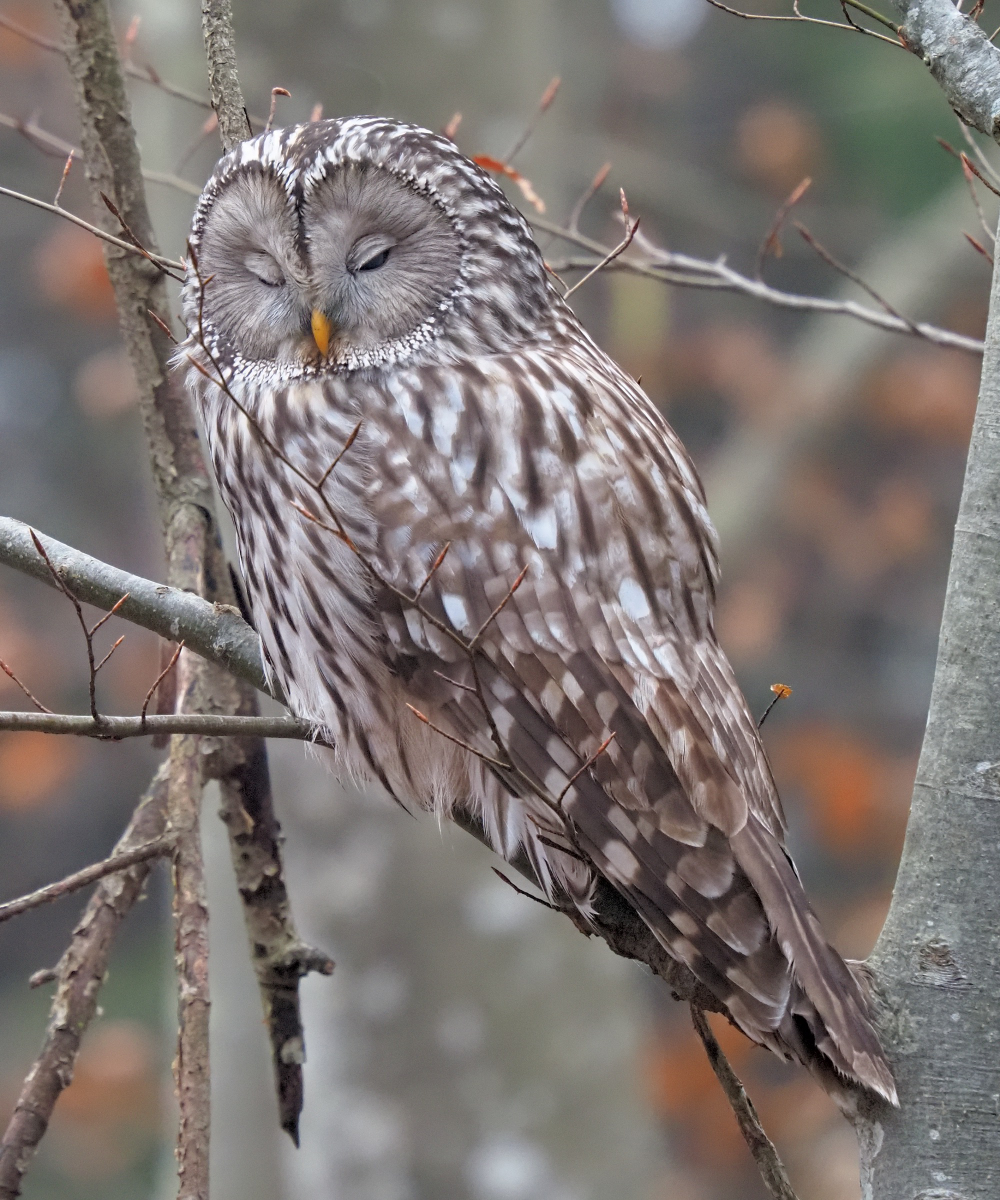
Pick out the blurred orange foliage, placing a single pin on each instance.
(738, 360)
(752, 609)
(32, 766)
(69, 268)
(926, 391)
(861, 541)
(683, 1088)
(114, 1095)
(17, 51)
(857, 793)
(777, 145)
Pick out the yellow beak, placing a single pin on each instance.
(322, 331)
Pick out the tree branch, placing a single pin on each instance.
(960, 57)
(83, 878)
(771, 1168)
(112, 729)
(683, 270)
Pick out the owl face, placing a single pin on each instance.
(361, 261)
(353, 243)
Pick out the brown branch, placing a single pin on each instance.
(542, 108)
(50, 143)
(838, 266)
(614, 252)
(797, 15)
(280, 958)
(771, 243)
(24, 688)
(79, 975)
(112, 865)
(156, 683)
(145, 74)
(771, 1169)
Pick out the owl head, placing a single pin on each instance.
(352, 243)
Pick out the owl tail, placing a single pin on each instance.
(827, 1025)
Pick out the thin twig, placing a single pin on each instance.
(799, 16)
(521, 892)
(623, 245)
(829, 259)
(543, 106)
(585, 767)
(430, 574)
(275, 93)
(24, 688)
(499, 764)
(165, 264)
(157, 681)
(771, 1168)
(771, 243)
(83, 878)
(591, 191)
(781, 692)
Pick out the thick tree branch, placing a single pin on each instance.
(79, 976)
(215, 631)
(223, 81)
(960, 57)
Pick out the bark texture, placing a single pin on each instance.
(937, 962)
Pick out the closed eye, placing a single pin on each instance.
(264, 269)
(376, 261)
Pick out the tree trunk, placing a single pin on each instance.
(936, 963)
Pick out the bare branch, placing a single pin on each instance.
(771, 243)
(612, 254)
(215, 632)
(36, 702)
(156, 683)
(771, 1168)
(838, 266)
(684, 270)
(114, 729)
(797, 15)
(524, 136)
(165, 264)
(83, 878)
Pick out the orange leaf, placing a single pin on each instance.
(501, 168)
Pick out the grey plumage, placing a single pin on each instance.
(491, 421)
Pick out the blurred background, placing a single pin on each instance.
(471, 1044)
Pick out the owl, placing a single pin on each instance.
(480, 563)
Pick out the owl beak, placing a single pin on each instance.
(322, 331)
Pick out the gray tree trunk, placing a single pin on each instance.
(937, 961)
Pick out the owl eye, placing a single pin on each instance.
(376, 261)
(264, 269)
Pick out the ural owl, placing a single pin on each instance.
(361, 279)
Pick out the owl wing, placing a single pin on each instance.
(559, 467)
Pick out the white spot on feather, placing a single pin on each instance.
(633, 599)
